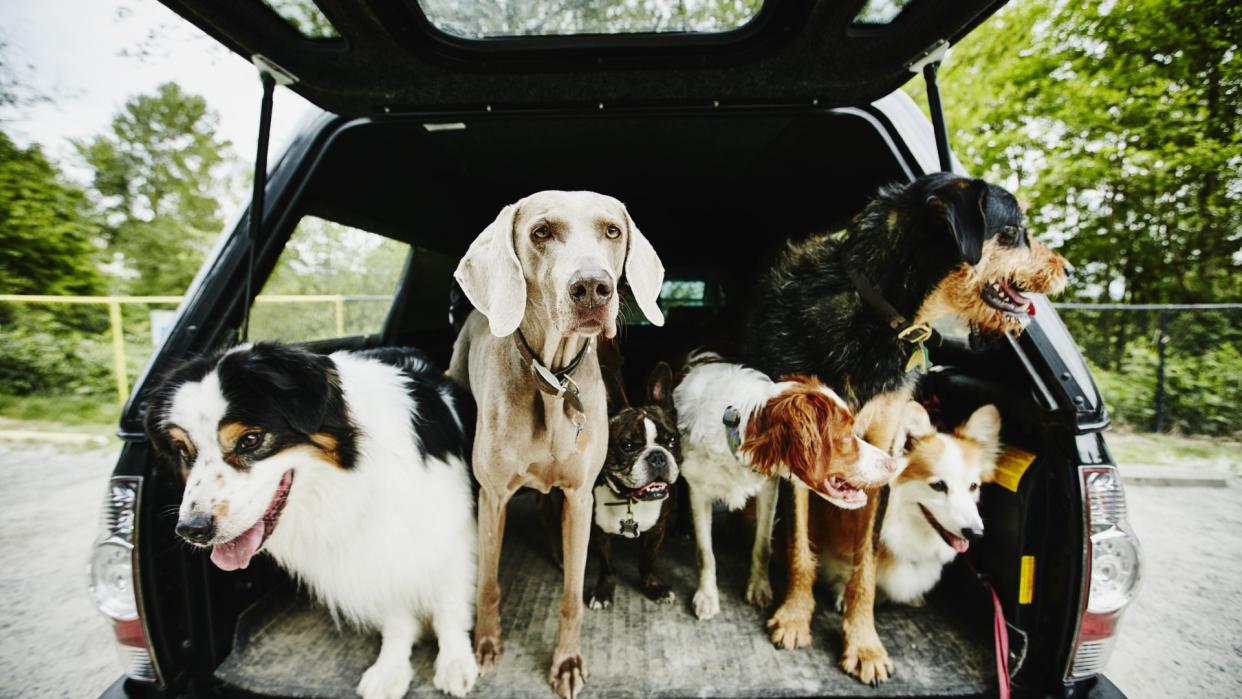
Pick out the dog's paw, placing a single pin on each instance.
(568, 676)
(597, 602)
(706, 603)
(867, 660)
(385, 681)
(487, 652)
(759, 592)
(658, 592)
(455, 675)
(791, 627)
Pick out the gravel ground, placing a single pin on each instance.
(1183, 637)
(53, 643)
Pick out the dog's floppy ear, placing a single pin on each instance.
(491, 275)
(961, 205)
(660, 386)
(645, 273)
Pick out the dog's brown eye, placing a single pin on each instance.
(183, 451)
(939, 486)
(628, 445)
(613, 231)
(1009, 235)
(248, 442)
(541, 232)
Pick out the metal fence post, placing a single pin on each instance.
(1160, 343)
(118, 350)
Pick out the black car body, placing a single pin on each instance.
(722, 146)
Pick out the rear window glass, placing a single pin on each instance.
(305, 16)
(330, 281)
(481, 19)
(880, 11)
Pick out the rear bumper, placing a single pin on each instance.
(124, 688)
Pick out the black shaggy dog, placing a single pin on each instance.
(849, 309)
(941, 245)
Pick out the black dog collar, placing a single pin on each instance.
(554, 383)
(907, 332)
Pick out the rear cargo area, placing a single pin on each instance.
(287, 645)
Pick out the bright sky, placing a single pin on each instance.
(74, 52)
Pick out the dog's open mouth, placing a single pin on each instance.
(237, 553)
(954, 541)
(1004, 296)
(655, 490)
(841, 493)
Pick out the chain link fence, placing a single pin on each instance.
(1164, 367)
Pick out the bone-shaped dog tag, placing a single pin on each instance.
(629, 526)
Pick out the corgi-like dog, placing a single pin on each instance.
(741, 431)
(933, 508)
(351, 471)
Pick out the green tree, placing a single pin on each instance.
(1121, 124)
(159, 173)
(47, 235)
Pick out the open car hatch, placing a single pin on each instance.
(367, 57)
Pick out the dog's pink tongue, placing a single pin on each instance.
(959, 544)
(238, 552)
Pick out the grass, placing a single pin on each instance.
(1141, 448)
(53, 413)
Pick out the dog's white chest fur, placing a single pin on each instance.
(611, 510)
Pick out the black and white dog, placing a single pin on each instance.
(632, 494)
(351, 471)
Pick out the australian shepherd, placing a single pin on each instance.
(351, 471)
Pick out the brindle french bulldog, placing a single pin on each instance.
(632, 494)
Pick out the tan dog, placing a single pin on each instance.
(543, 278)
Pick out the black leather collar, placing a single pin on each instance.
(906, 331)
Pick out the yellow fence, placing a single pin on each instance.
(117, 328)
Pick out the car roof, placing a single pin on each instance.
(386, 56)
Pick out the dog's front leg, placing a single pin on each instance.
(456, 667)
(707, 597)
(791, 624)
(487, 603)
(390, 675)
(864, 656)
(651, 541)
(568, 674)
(606, 584)
(759, 588)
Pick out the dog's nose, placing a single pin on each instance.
(589, 288)
(972, 534)
(657, 459)
(197, 528)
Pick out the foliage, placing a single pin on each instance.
(159, 173)
(1121, 124)
(482, 18)
(47, 234)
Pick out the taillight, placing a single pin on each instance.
(1113, 566)
(113, 580)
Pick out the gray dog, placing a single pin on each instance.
(543, 278)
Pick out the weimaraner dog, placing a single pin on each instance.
(543, 278)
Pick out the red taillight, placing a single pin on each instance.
(1112, 566)
(112, 575)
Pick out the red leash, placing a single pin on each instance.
(1000, 636)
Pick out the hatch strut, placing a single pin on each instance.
(928, 63)
(270, 75)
